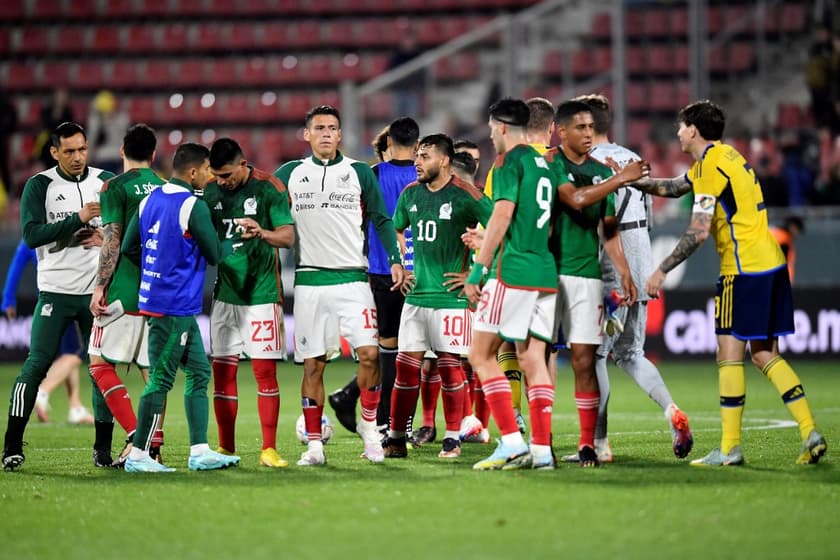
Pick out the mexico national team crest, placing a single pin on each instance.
(597, 179)
(250, 206)
(445, 211)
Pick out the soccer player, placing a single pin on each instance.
(517, 301)
(393, 175)
(753, 304)
(65, 368)
(627, 344)
(438, 207)
(175, 233)
(250, 211)
(59, 217)
(120, 333)
(576, 245)
(333, 198)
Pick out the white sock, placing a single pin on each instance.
(515, 439)
(540, 451)
(395, 434)
(315, 446)
(137, 454)
(669, 411)
(454, 434)
(198, 449)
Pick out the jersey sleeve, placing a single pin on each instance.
(376, 213)
(33, 216)
(706, 177)
(279, 211)
(400, 215)
(505, 178)
(112, 201)
(483, 208)
(202, 230)
(23, 255)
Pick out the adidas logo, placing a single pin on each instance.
(268, 348)
(155, 229)
(413, 208)
(60, 198)
(305, 179)
(218, 206)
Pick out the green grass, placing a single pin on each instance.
(645, 505)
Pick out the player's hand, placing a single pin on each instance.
(473, 292)
(11, 312)
(98, 305)
(634, 171)
(90, 211)
(654, 283)
(90, 237)
(630, 294)
(398, 276)
(248, 228)
(408, 284)
(455, 281)
(473, 237)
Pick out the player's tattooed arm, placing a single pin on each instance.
(109, 253)
(669, 188)
(693, 237)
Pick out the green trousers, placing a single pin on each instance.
(174, 342)
(51, 317)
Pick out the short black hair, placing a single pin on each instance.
(568, 109)
(599, 106)
(380, 144)
(442, 142)
(542, 114)
(65, 130)
(322, 110)
(512, 112)
(465, 162)
(404, 132)
(139, 142)
(706, 116)
(225, 151)
(465, 145)
(188, 155)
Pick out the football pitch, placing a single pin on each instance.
(646, 504)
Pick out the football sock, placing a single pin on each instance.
(115, 394)
(226, 399)
(732, 397)
(497, 394)
(268, 400)
(101, 413)
(406, 391)
(429, 391)
(482, 410)
(370, 402)
(388, 370)
(540, 402)
(604, 386)
(472, 380)
(510, 365)
(587, 407)
(779, 372)
(103, 435)
(157, 437)
(196, 407)
(198, 449)
(452, 377)
(312, 413)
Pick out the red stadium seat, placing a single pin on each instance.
(156, 73)
(211, 37)
(660, 59)
(340, 32)
(189, 73)
(55, 74)
(106, 39)
(553, 63)
(11, 9)
(678, 22)
(45, 9)
(190, 7)
(69, 39)
(237, 108)
(635, 22)
(582, 63)
(175, 39)
(267, 109)
(155, 8)
(681, 59)
(638, 132)
(636, 96)
(118, 9)
(21, 76)
(635, 60)
(306, 33)
(5, 42)
(89, 76)
(222, 72)
(140, 39)
(374, 65)
(741, 56)
(276, 35)
(123, 74)
(143, 109)
(348, 68)
(318, 69)
(662, 97)
(29, 111)
(246, 36)
(256, 72)
(34, 40)
(714, 20)
(293, 106)
(794, 18)
(245, 138)
(601, 26)
(656, 22)
(82, 10)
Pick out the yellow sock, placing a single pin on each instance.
(732, 396)
(787, 383)
(510, 365)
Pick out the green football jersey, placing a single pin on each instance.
(575, 240)
(437, 220)
(521, 175)
(119, 199)
(250, 274)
